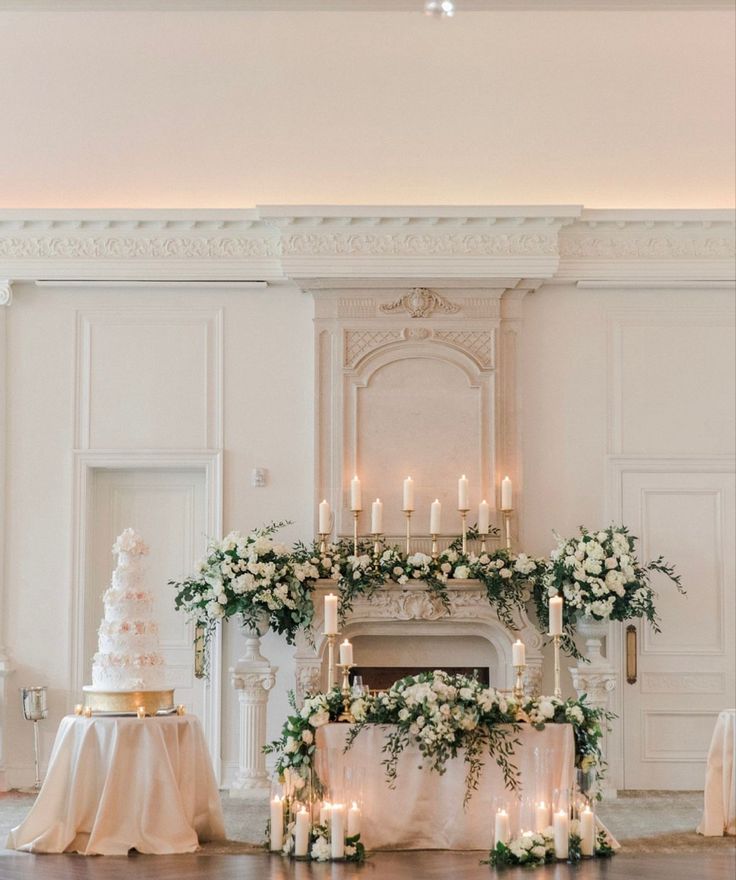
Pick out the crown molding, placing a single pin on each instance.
(364, 5)
(332, 245)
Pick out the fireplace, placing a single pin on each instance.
(380, 678)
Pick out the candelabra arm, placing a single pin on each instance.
(558, 689)
(407, 514)
(435, 552)
(323, 543)
(507, 526)
(519, 684)
(464, 516)
(346, 714)
(330, 660)
(356, 514)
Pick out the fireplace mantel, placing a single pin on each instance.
(413, 611)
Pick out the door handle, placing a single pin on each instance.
(631, 654)
(199, 670)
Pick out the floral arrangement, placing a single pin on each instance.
(319, 849)
(532, 849)
(441, 714)
(252, 576)
(598, 575)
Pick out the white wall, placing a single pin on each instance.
(681, 362)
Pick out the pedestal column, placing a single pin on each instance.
(5, 664)
(252, 677)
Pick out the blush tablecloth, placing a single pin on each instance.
(719, 811)
(425, 810)
(118, 783)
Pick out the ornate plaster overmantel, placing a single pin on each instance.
(282, 244)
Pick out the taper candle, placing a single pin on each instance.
(337, 831)
(462, 493)
(507, 494)
(408, 494)
(518, 653)
(356, 499)
(324, 517)
(377, 517)
(435, 517)
(324, 813)
(484, 517)
(555, 616)
(587, 832)
(346, 653)
(277, 824)
(331, 615)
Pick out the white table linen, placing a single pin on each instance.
(719, 808)
(425, 809)
(118, 783)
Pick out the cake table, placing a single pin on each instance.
(121, 783)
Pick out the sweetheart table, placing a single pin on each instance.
(120, 783)
(425, 810)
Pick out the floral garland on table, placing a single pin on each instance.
(599, 575)
(441, 714)
(254, 577)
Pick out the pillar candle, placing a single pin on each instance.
(503, 828)
(507, 494)
(277, 824)
(542, 816)
(518, 653)
(324, 517)
(331, 615)
(435, 517)
(337, 831)
(377, 517)
(587, 832)
(346, 653)
(324, 813)
(301, 833)
(408, 494)
(356, 501)
(555, 616)
(561, 828)
(484, 517)
(354, 820)
(462, 493)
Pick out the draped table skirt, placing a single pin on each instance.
(719, 808)
(425, 810)
(120, 783)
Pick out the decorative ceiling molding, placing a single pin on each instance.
(335, 247)
(362, 5)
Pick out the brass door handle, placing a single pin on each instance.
(199, 670)
(631, 654)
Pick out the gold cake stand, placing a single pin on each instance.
(129, 702)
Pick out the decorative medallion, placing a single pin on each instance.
(421, 303)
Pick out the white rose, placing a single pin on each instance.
(505, 573)
(307, 737)
(319, 718)
(547, 709)
(461, 573)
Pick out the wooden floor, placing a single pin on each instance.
(715, 865)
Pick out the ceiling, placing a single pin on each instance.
(228, 109)
(363, 5)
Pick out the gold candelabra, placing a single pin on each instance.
(558, 689)
(464, 517)
(356, 514)
(507, 525)
(407, 514)
(435, 551)
(377, 544)
(346, 714)
(483, 537)
(323, 542)
(330, 659)
(519, 684)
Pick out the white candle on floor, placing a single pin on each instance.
(346, 653)
(377, 517)
(542, 816)
(435, 517)
(484, 517)
(462, 493)
(518, 653)
(324, 813)
(408, 494)
(503, 828)
(324, 517)
(331, 615)
(507, 494)
(587, 832)
(561, 827)
(555, 616)
(277, 824)
(337, 831)
(301, 833)
(353, 820)
(356, 501)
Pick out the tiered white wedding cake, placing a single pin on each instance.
(128, 670)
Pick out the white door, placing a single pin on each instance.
(685, 674)
(168, 508)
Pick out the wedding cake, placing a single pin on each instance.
(128, 670)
